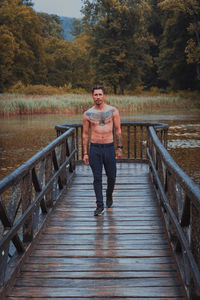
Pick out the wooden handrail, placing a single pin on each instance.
(178, 196)
(134, 138)
(27, 196)
(179, 199)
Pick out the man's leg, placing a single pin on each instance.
(110, 168)
(96, 165)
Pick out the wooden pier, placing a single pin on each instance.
(123, 253)
(57, 249)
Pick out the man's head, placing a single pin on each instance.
(98, 95)
(98, 87)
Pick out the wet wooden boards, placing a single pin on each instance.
(121, 255)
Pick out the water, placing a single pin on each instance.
(22, 136)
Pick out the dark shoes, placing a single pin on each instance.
(109, 201)
(99, 211)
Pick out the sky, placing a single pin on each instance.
(62, 8)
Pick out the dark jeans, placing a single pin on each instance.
(103, 155)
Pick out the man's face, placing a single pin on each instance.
(98, 96)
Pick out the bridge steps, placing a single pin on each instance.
(122, 254)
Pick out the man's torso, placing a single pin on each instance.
(101, 124)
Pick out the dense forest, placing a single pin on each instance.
(125, 44)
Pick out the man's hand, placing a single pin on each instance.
(119, 153)
(86, 159)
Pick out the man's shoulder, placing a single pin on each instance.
(113, 109)
(110, 107)
(89, 111)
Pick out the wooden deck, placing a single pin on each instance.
(122, 254)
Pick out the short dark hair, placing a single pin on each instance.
(98, 87)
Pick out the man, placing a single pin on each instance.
(98, 124)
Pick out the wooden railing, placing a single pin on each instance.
(177, 195)
(179, 200)
(27, 196)
(134, 138)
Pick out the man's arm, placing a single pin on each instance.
(118, 133)
(85, 139)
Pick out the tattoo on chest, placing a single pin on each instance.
(100, 117)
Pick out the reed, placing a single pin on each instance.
(16, 104)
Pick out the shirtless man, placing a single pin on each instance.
(98, 123)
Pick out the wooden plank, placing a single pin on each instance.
(90, 265)
(121, 254)
(108, 291)
(117, 213)
(97, 298)
(89, 202)
(79, 222)
(99, 274)
(98, 253)
(127, 246)
(122, 237)
(117, 193)
(100, 282)
(107, 261)
(52, 231)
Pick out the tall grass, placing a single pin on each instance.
(16, 104)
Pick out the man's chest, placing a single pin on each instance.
(100, 118)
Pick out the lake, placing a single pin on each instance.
(23, 136)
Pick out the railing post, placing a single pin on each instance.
(128, 140)
(48, 175)
(26, 201)
(77, 143)
(62, 159)
(135, 142)
(171, 196)
(141, 141)
(72, 162)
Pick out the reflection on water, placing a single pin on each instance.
(173, 144)
(184, 147)
(21, 137)
(186, 136)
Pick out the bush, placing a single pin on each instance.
(40, 89)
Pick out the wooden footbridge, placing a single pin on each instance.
(147, 246)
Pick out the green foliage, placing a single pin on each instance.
(39, 89)
(128, 45)
(119, 40)
(179, 58)
(76, 27)
(20, 88)
(7, 55)
(22, 34)
(50, 25)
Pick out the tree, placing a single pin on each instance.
(119, 40)
(179, 60)
(58, 61)
(25, 29)
(50, 25)
(83, 68)
(153, 21)
(7, 55)
(77, 27)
